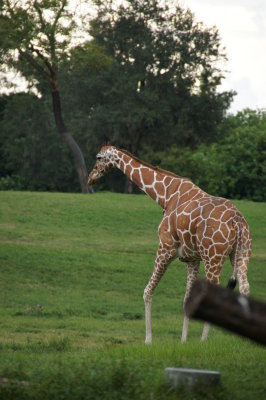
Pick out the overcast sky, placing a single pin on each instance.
(242, 27)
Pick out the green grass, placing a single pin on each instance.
(73, 270)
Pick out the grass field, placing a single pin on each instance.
(73, 270)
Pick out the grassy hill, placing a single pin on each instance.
(73, 270)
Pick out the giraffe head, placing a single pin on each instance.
(105, 162)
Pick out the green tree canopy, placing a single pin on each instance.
(162, 86)
(33, 157)
(234, 166)
(35, 39)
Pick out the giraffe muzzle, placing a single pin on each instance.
(91, 179)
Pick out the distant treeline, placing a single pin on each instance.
(233, 166)
(147, 81)
(34, 158)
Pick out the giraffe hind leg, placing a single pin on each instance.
(240, 258)
(213, 267)
(242, 267)
(243, 260)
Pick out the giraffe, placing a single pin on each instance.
(195, 227)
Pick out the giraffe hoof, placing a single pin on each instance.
(148, 341)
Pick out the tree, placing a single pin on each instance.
(234, 166)
(243, 151)
(33, 156)
(35, 38)
(162, 86)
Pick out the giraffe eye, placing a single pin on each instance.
(98, 158)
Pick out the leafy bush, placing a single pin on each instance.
(32, 155)
(13, 182)
(234, 167)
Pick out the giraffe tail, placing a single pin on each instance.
(238, 225)
(232, 283)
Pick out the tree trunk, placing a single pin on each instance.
(128, 186)
(69, 140)
(229, 310)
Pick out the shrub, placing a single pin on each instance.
(234, 167)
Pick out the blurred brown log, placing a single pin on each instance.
(229, 310)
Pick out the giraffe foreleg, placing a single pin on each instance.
(165, 255)
(192, 273)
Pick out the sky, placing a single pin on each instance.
(242, 27)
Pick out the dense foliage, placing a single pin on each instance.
(162, 85)
(234, 166)
(32, 155)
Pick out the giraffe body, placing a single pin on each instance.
(195, 227)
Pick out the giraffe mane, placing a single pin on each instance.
(155, 168)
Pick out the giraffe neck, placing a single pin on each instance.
(152, 181)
